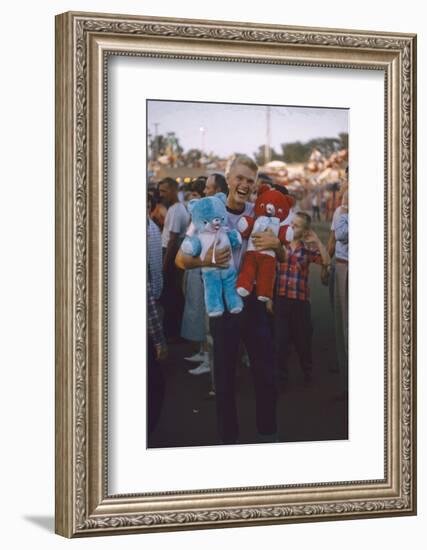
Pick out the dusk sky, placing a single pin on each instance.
(230, 128)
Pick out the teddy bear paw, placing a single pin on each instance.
(242, 291)
(187, 247)
(217, 313)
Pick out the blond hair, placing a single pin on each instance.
(241, 159)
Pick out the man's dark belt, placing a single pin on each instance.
(339, 261)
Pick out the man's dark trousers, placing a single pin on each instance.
(252, 327)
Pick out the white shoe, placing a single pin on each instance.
(201, 369)
(198, 357)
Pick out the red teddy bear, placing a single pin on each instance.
(259, 266)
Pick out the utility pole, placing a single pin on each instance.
(202, 132)
(267, 147)
(156, 142)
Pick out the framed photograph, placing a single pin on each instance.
(226, 354)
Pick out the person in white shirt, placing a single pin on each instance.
(176, 223)
(177, 217)
(340, 229)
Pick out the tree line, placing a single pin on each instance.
(296, 151)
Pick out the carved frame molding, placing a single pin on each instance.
(83, 44)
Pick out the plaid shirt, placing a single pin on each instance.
(155, 329)
(293, 272)
(155, 259)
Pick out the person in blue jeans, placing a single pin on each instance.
(251, 326)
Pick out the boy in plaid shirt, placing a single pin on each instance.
(292, 315)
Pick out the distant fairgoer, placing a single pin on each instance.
(154, 255)
(176, 223)
(197, 188)
(340, 228)
(216, 183)
(315, 207)
(158, 210)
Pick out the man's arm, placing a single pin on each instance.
(341, 230)
(331, 244)
(311, 238)
(326, 260)
(171, 250)
(185, 261)
(222, 259)
(267, 240)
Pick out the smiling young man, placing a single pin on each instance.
(251, 325)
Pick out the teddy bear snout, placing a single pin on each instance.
(270, 209)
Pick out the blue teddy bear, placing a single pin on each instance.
(209, 219)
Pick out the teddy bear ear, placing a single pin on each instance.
(222, 197)
(191, 204)
(263, 188)
(291, 200)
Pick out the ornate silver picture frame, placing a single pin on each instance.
(84, 43)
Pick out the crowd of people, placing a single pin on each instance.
(262, 333)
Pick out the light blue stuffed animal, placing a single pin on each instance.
(209, 227)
